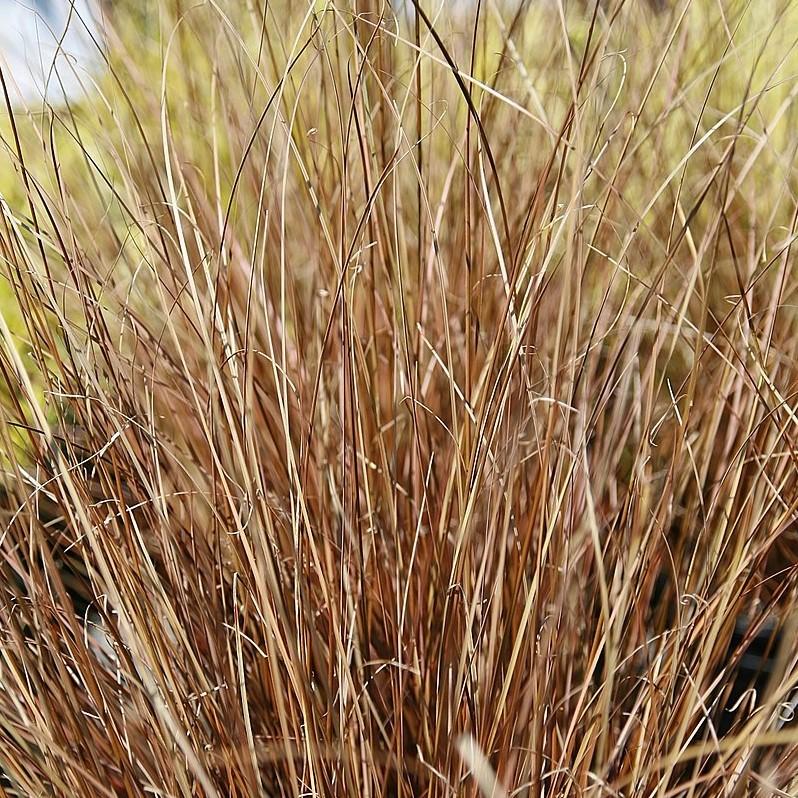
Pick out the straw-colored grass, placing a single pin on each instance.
(404, 404)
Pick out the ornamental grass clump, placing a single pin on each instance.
(401, 400)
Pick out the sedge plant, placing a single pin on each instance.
(400, 400)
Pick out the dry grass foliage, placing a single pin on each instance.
(404, 404)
